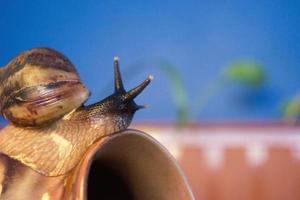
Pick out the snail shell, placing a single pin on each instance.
(39, 86)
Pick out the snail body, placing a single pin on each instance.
(50, 129)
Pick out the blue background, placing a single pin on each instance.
(200, 38)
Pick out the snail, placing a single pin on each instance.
(49, 127)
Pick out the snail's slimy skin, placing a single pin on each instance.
(54, 150)
(57, 146)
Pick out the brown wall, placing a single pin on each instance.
(277, 179)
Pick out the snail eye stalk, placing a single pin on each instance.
(131, 94)
(118, 79)
(119, 87)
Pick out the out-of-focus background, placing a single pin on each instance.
(188, 46)
(218, 65)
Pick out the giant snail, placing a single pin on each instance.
(50, 128)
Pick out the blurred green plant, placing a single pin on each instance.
(248, 73)
(291, 109)
(244, 72)
(178, 91)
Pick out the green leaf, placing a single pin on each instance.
(247, 73)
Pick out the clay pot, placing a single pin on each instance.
(128, 165)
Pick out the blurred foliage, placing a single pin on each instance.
(247, 73)
(206, 94)
(291, 109)
(178, 91)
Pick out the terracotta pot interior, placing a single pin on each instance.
(133, 166)
(107, 183)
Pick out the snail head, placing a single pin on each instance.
(122, 101)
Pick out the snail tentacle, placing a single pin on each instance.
(118, 79)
